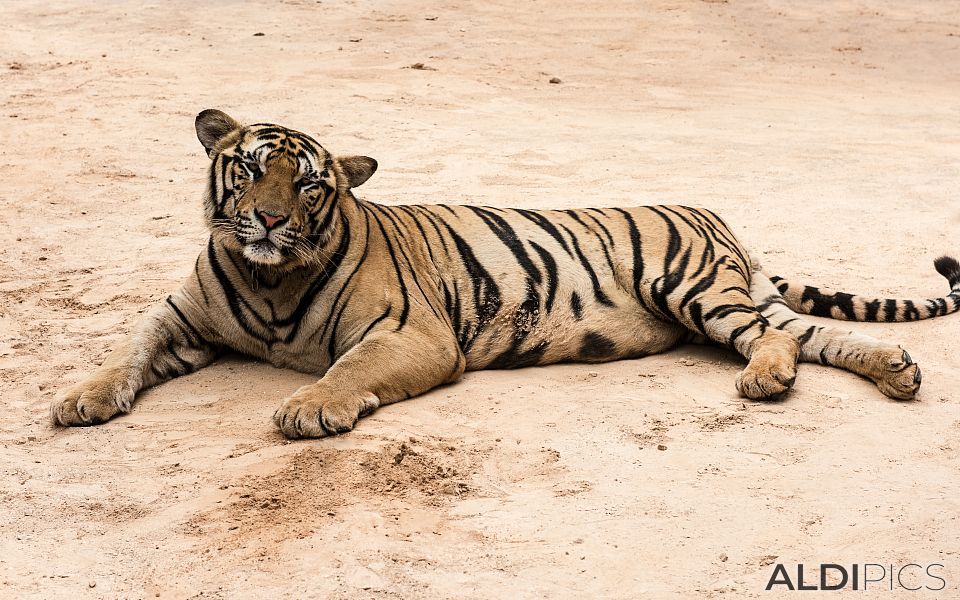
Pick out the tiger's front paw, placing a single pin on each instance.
(314, 412)
(93, 401)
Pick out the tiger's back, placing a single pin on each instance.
(533, 287)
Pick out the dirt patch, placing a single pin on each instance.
(319, 481)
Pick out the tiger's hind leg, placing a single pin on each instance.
(887, 365)
(729, 317)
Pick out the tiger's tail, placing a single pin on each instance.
(849, 307)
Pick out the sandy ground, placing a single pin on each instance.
(828, 138)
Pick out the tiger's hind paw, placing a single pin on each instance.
(772, 369)
(766, 380)
(898, 376)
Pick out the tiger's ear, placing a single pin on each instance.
(212, 126)
(357, 169)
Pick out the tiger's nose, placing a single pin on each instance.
(270, 219)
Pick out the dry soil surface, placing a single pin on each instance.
(828, 137)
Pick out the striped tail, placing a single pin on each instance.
(848, 307)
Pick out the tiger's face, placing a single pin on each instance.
(273, 192)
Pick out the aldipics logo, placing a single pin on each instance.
(911, 577)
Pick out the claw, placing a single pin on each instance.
(906, 358)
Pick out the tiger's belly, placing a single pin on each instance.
(575, 334)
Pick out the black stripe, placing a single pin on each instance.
(319, 334)
(636, 244)
(603, 227)
(203, 291)
(807, 335)
(486, 294)
(405, 311)
(735, 288)
(696, 316)
(423, 233)
(910, 312)
(824, 303)
(576, 305)
(550, 266)
(598, 293)
(186, 365)
(596, 346)
(823, 356)
(703, 284)
(157, 373)
(673, 242)
(736, 333)
(541, 221)
(783, 325)
(196, 339)
(508, 237)
(411, 269)
(603, 245)
(432, 219)
(723, 310)
(889, 310)
(332, 343)
(317, 285)
(721, 230)
(374, 322)
(233, 297)
(872, 308)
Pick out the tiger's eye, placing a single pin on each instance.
(252, 168)
(306, 184)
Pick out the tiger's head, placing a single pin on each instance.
(273, 193)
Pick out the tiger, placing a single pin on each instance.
(385, 302)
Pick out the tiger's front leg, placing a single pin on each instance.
(167, 343)
(385, 367)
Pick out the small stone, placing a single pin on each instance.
(661, 447)
(723, 558)
(259, 34)
(593, 374)
(92, 584)
(454, 489)
(555, 80)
